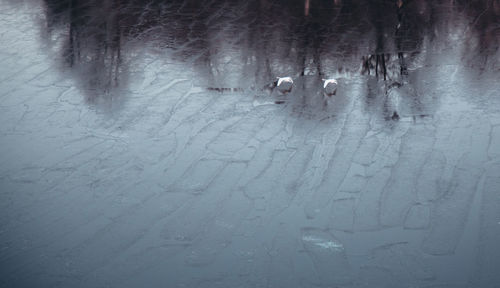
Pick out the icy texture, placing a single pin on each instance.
(144, 144)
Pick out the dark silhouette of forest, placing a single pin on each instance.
(294, 37)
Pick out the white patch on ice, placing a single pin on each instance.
(195, 89)
(258, 103)
(323, 243)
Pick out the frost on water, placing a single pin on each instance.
(148, 143)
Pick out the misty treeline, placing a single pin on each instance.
(296, 37)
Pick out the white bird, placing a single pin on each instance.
(284, 79)
(330, 86)
(284, 84)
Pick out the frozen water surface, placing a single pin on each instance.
(145, 144)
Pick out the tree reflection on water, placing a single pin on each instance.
(295, 38)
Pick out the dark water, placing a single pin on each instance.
(145, 143)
